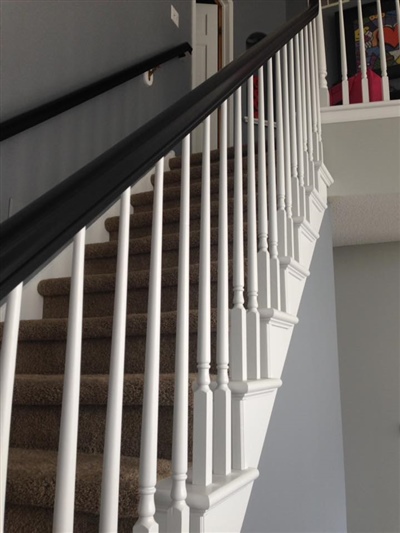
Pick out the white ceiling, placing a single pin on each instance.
(365, 219)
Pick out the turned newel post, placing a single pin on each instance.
(322, 69)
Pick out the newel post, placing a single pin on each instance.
(322, 69)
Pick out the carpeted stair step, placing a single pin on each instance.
(197, 159)
(141, 223)
(31, 489)
(37, 412)
(173, 177)
(102, 257)
(41, 346)
(99, 291)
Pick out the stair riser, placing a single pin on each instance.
(38, 427)
(48, 357)
(102, 303)
(173, 177)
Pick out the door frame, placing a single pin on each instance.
(227, 48)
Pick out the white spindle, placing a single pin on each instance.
(309, 107)
(343, 57)
(314, 103)
(178, 513)
(363, 60)
(264, 297)
(293, 134)
(148, 447)
(67, 448)
(287, 151)
(8, 359)
(253, 316)
(385, 79)
(300, 126)
(273, 222)
(282, 218)
(203, 400)
(112, 440)
(323, 85)
(319, 120)
(304, 109)
(222, 456)
(238, 340)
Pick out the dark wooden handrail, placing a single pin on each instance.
(37, 232)
(40, 114)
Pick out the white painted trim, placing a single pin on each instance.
(254, 386)
(326, 176)
(357, 112)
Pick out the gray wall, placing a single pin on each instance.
(368, 317)
(51, 48)
(301, 487)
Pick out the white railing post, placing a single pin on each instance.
(148, 447)
(293, 117)
(8, 360)
(179, 512)
(314, 103)
(307, 177)
(68, 440)
(309, 108)
(253, 316)
(275, 289)
(322, 70)
(300, 127)
(264, 277)
(203, 398)
(222, 433)
(343, 57)
(384, 75)
(287, 151)
(112, 440)
(363, 60)
(282, 217)
(319, 120)
(237, 339)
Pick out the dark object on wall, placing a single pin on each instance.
(371, 35)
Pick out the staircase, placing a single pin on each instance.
(167, 417)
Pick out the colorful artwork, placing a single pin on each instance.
(371, 36)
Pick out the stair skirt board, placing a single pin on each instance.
(219, 507)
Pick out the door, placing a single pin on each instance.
(206, 63)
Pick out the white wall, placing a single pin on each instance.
(301, 488)
(367, 282)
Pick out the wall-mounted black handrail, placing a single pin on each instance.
(34, 234)
(40, 114)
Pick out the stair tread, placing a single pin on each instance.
(197, 158)
(32, 473)
(47, 389)
(100, 327)
(136, 280)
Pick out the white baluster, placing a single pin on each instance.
(287, 152)
(203, 400)
(309, 107)
(179, 513)
(112, 441)
(264, 297)
(273, 223)
(67, 448)
(323, 85)
(282, 218)
(363, 60)
(253, 316)
(237, 339)
(343, 56)
(300, 126)
(315, 108)
(304, 113)
(319, 120)
(222, 395)
(8, 359)
(293, 134)
(384, 75)
(148, 447)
